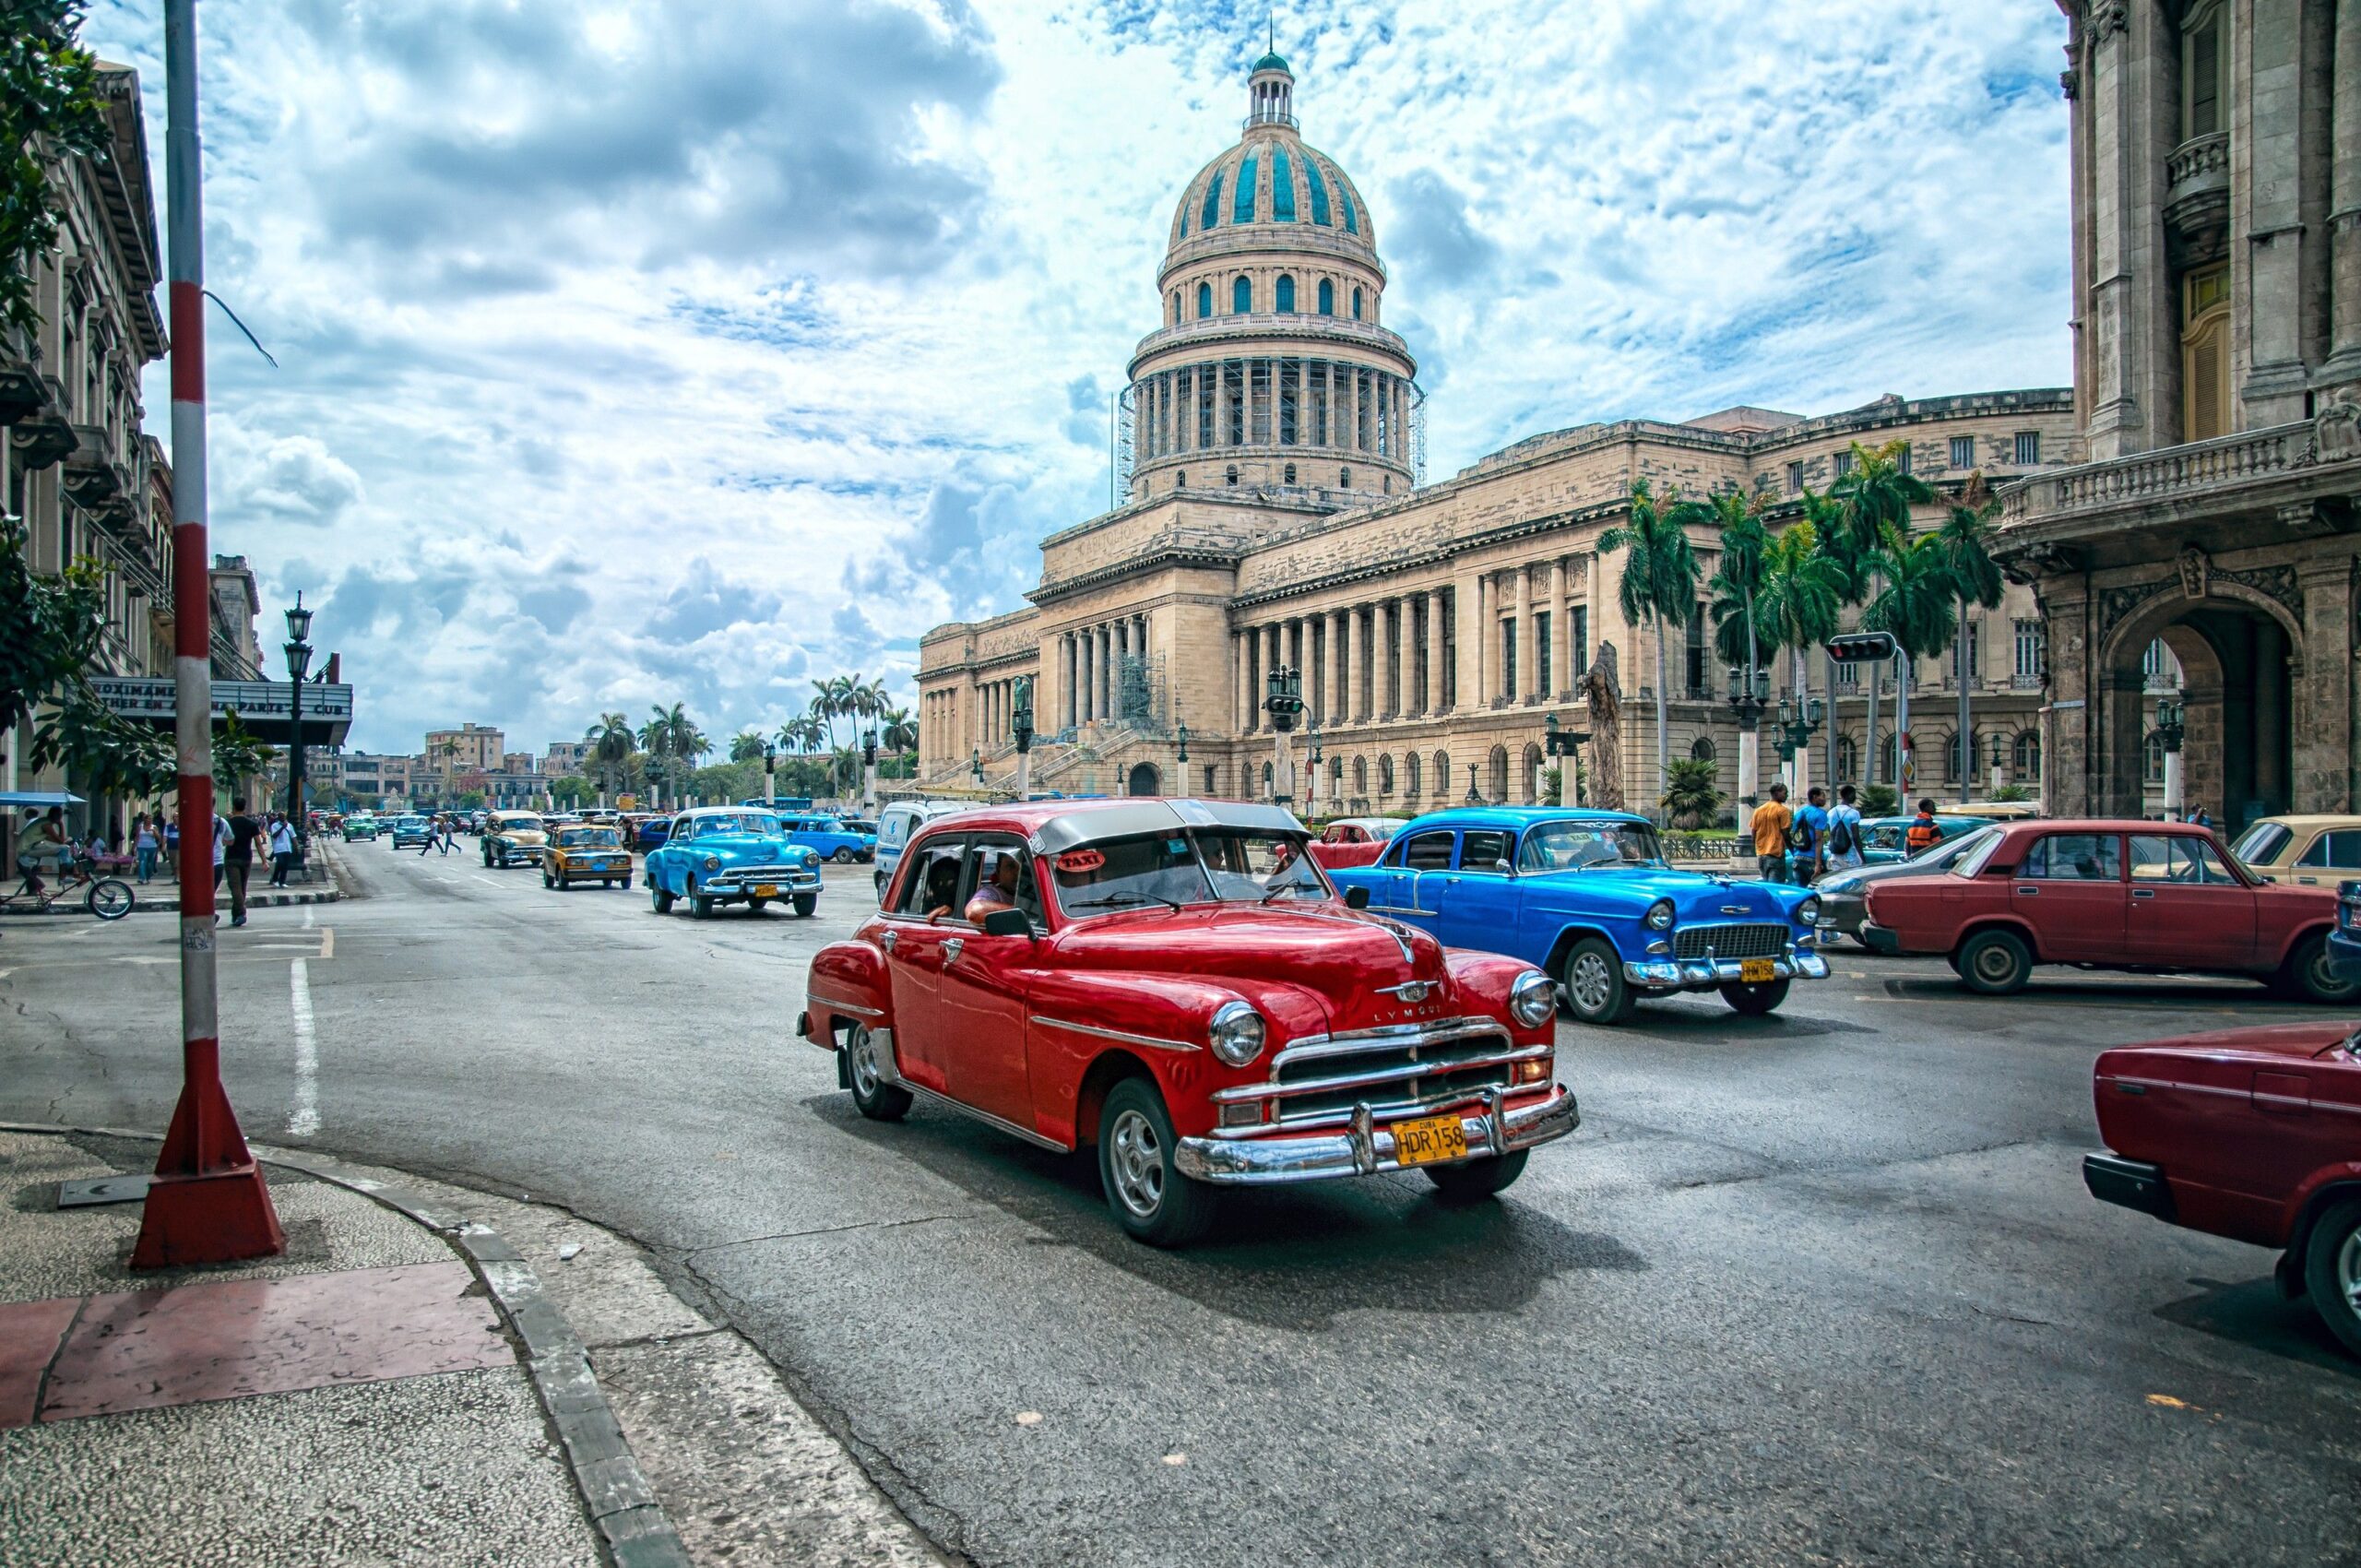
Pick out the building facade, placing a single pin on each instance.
(2216, 151)
(470, 748)
(564, 758)
(1275, 516)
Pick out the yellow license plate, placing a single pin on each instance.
(1428, 1139)
(1757, 971)
(766, 890)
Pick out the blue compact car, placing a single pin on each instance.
(731, 855)
(831, 837)
(1586, 895)
(2344, 941)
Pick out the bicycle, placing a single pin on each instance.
(108, 898)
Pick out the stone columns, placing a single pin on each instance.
(1242, 682)
(1406, 655)
(2273, 229)
(1336, 710)
(1436, 702)
(1349, 668)
(1528, 659)
(2345, 199)
(1485, 631)
(1562, 673)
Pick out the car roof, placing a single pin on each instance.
(1061, 825)
(2311, 819)
(1516, 818)
(2102, 825)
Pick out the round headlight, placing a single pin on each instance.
(811, 857)
(1808, 912)
(1533, 1000)
(1660, 915)
(712, 862)
(1236, 1033)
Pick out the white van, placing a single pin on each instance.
(897, 822)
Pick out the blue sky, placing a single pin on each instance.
(634, 353)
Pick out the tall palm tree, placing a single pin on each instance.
(1965, 537)
(746, 746)
(1738, 576)
(1915, 604)
(801, 734)
(1801, 594)
(1659, 580)
(899, 730)
(1877, 496)
(612, 742)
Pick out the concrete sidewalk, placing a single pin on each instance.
(399, 1387)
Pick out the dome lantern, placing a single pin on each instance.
(1270, 93)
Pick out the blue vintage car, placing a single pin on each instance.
(1586, 895)
(731, 855)
(831, 837)
(1885, 841)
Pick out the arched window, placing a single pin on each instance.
(1231, 476)
(1212, 214)
(1266, 778)
(1344, 479)
(1282, 188)
(1499, 781)
(1319, 192)
(2024, 757)
(1241, 296)
(1176, 307)
(1204, 300)
(1327, 297)
(1702, 749)
(1848, 759)
(1181, 479)
(1284, 296)
(1345, 197)
(2154, 772)
(1360, 775)
(1385, 776)
(1443, 775)
(1410, 776)
(1952, 759)
(1357, 304)
(1242, 209)
(2202, 59)
(1291, 474)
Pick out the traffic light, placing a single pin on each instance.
(1855, 648)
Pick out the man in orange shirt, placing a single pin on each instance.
(1770, 825)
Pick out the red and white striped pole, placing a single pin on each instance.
(208, 1203)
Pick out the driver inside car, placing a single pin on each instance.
(998, 893)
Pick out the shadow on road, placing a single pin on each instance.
(1385, 1243)
(2254, 1315)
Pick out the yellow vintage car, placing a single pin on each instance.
(585, 853)
(2316, 851)
(510, 836)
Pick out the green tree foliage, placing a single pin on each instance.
(1659, 576)
(746, 746)
(1797, 603)
(49, 106)
(1692, 796)
(1914, 600)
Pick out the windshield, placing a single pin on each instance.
(1577, 846)
(1972, 851)
(2260, 845)
(762, 825)
(520, 825)
(589, 838)
(1200, 867)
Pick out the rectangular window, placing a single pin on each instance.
(1581, 651)
(1795, 479)
(2028, 448)
(1542, 651)
(1484, 849)
(1963, 451)
(1508, 656)
(2029, 649)
(1905, 458)
(1844, 464)
(1209, 778)
(2340, 850)
(1428, 852)
(1695, 670)
(2074, 857)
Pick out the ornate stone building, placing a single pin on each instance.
(2217, 379)
(1276, 514)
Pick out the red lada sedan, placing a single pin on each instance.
(2150, 897)
(2250, 1133)
(1177, 983)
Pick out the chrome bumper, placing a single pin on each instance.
(1368, 1148)
(736, 884)
(1684, 973)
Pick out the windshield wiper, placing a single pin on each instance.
(1287, 887)
(1119, 900)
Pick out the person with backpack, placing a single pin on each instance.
(1769, 824)
(1844, 840)
(1807, 838)
(1924, 833)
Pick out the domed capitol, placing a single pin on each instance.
(1276, 514)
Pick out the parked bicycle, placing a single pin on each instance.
(108, 898)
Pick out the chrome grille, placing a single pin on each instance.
(1752, 940)
(1388, 1075)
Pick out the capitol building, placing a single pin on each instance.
(1275, 513)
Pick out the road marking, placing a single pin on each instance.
(487, 881)
(327, 942)
(304, 1120)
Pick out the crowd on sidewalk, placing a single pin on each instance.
(1802, 846)
(43, 844)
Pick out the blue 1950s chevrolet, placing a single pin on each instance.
(1587, 895)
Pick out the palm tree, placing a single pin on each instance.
(1877, 496)
(1915, 604)
(1739, 577)
(450, 749)
(801, 734)
(1659, 577)
(1800, 597)
(898, 731)
(746, 746)
(612, 742)
(1965, 537)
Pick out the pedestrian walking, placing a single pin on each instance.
(172, 847)
(235, 859)
(283, 849)
(146, 842)
(434, 835)
(1844, 832)
(1808, 836)
(1769, 826)
(450, 832)
(1924, 832)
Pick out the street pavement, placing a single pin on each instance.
(1822, 1285)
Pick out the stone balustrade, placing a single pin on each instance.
(2173, 473)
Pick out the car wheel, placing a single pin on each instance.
(627, 884)
(805, 903)
(2332, 1271)
(547, 881)
(871, 1095)
(1151, 1199)
(1592, 983)
(842, 857)
(1477, 1179)
(700, 906)
(2309, 974)
(1755, 1000)
(659, 900)
(1995, 962)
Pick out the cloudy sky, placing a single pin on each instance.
(633, 352)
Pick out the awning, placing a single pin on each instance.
(38, 797)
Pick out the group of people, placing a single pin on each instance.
(1802, 845)
(42, 842)
(442, 832)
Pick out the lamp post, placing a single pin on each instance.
(2000, 775)
(1749, 693)
(976, 765)
(1020, 725)
(2169, 729)
(770, 775)
(1473, 798)
(869, 771)
(1180, 758)
(1284, 702)
(1797, 723)
(299, 663)
(1311, 785)
(1565, 743)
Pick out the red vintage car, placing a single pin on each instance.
(1175, 982)
(2250, 1133)
(2150, 897)
(1355, 840)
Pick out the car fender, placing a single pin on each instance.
(2302, 934)
(2017, 925)
(1481, 982)
(1575, 930)
(847, 984)
(2329, 1185)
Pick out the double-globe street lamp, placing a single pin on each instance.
(1284, 702)
(1020, 728)
(1750, 695)
(1797, 723)
(299, 663)
(2169, 716)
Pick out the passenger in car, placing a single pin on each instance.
(1000, 893)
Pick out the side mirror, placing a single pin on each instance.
(1008, 922)
(1356, 898)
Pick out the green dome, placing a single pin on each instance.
(1272, 62)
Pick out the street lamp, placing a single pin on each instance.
(869, 771)
(2000, 763)
(299, 661)
(770, 775)
(1749, 693)
(1284, 702)
(2168, 729)
(1473, 798)
(1311, 785)
(1797, 723)
(1020, 725)
(1565, 743)
(976, 765)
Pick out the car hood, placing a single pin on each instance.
(2278, 1040)
(1849, 880)
(746, 850)
(1697, 897)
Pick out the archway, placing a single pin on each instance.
(1144, 781)
(1498, 790)
(1529, 792)
(2240, 655)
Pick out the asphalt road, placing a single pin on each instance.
(1818, 1286)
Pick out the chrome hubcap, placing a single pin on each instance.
(1136, 1158)
(1994, 964)
(1589, 983)
(863, 1063)
(2348, 1273)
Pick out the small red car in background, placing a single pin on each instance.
(2150, 897)
(1175, 982)
(1355, 840)
(2250, 1133)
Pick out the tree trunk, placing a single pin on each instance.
(1656, 790)
(1965, 741)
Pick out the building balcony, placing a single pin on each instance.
(2197, 194)
(1231, 337)
(43, 436)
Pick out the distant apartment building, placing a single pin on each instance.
(471, 748)
(519, 763)
(564, 758)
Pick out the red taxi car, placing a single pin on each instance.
(2150, 897)
(1176, 983)
(1355, 840)
(2252, 1133)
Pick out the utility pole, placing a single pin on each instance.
(208, 1203)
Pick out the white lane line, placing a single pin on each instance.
(306, 1118)
(488, 881)
(307, 915)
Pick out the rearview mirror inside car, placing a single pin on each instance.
(1356, 898)
(1008, 922)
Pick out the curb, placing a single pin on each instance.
(621, 1505)
(254, 901)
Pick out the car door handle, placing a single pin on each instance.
(952, 948)
(2028, 892)
(886, 940)
(2143, 893)
(1451, 879)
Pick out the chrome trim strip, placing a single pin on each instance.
(2240, 1094)
(814, 999)
(1154, 1042)
(1366, 1149)
(1306, 1047)
(1273, 1089)
(935, 1097)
